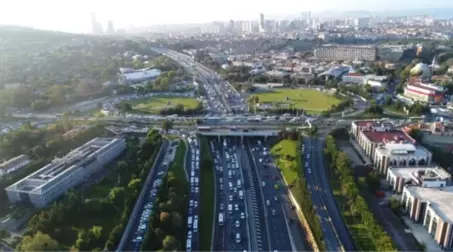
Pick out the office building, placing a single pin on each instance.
(421, 90)
(388, 147)
(428, 176)
(110, 27)
(51, 181)
(96, 26)
(13, 165)
(262, 23)
(428, 201)
(340, 52)
(361, 23)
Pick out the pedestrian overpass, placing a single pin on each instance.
(241, 134)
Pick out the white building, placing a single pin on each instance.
(356, 78)
(400, 153)
(139, 76)
(50, 182)
(429, 202)
(428, 176)
(13, 165)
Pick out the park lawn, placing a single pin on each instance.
(363, 239)
(155, 104)
(289, 168)
(307, 99)
(207, 189)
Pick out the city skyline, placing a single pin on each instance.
(75, 16)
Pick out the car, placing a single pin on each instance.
(191, 203)
(238, 237)
(221, 206)
(274, 212)
(237, 224)
(263, 183)
(236, 207)
(242, 215)
(195, 203)
(230, 197)
(275, 198)
(196, 189)
(268, 202)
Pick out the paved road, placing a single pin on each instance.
(156, 172)
(255, 205)
(335, 230)
(273, 191)
(193, 171)
(312, 177)
(6, 248)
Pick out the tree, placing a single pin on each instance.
(167, 125)
(164, 216)
(394, 204)
(38, 242)
(169, 243)
(99, 105)
(4, 234)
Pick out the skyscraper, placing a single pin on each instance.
(262, 24)
(110, 27)
(96, 26)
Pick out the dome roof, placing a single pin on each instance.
(422, 69)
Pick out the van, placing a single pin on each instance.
(189, 221)
(230, 208)
(195, 225)
(241, 194)
(192, 174)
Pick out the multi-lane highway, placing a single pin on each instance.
(271, 186)
(231, 231)
(336, 235)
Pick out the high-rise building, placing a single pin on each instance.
(262, 23)
(96, 26)
(110, 27)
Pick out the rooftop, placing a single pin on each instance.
(396, 136)
(392, 149)
(373, 123)
(60, 167)
(440, 199)
(355, 74)
(417, 172)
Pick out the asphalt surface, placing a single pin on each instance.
(335, 232)
(268, 175)
(255, 204)
(193, 171)
(133, 244)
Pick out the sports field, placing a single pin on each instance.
(157, 103)
(307, 99)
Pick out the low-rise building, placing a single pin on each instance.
(346, 52)
(13, 165)
(357, 78)
(430, 203)
(51, 181)
(425, 92)
(428, 176)
(139, 76)
(400, 152)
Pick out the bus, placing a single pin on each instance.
(221, 219)
(204, 128)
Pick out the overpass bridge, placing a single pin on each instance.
(241, 134)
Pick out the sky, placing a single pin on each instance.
(75, 15)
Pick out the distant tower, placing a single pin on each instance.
(96, 26)
(110, 27)
(262, 23)
(94, 23)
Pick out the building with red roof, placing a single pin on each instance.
(426, 92)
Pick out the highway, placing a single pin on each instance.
(271, 186)
(193, 172)
(336, 234)
(255, 205)
(133, 243)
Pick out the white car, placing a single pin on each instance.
(268, 203)
(237, 224)
(242, 215)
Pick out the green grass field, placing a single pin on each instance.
(289, 167)
(307, 99)
(155, 104)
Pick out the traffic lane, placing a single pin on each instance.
(312, 180)
(334, 212)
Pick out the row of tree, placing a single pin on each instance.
(64, 223)
(355, 203)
